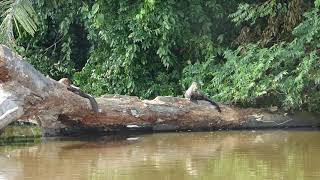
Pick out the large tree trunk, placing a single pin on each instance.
(27, 94)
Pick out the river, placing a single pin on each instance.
(240, 155)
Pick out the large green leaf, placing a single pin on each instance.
(16, 14)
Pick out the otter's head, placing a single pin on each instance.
(195, 85)
(65, 81)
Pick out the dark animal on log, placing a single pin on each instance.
(194, 94)
(78, 91)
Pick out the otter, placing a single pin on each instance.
(194, 94)
(78, 91)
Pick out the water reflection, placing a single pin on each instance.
(209, 155)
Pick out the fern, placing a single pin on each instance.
(16, 14)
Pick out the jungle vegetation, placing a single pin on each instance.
(256, 53)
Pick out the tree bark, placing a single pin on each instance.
(25, 94)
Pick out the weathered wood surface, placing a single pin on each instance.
(27, 94)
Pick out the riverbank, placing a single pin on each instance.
(20, 133)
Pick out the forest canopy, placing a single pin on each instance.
(258, 53)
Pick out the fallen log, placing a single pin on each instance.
(25, 94)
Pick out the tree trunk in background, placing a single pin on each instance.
(27, 94)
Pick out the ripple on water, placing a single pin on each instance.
(205, 155)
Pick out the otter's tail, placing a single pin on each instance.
(215, 104)
(93, 102)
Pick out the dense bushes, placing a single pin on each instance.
(253, 53)
(284, 72)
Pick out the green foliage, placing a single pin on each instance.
(285, 74)
(16, 13)
(252, 13)
(60, 46)
(141, 48)
(251, 53)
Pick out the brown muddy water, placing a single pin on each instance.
(241, 155)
